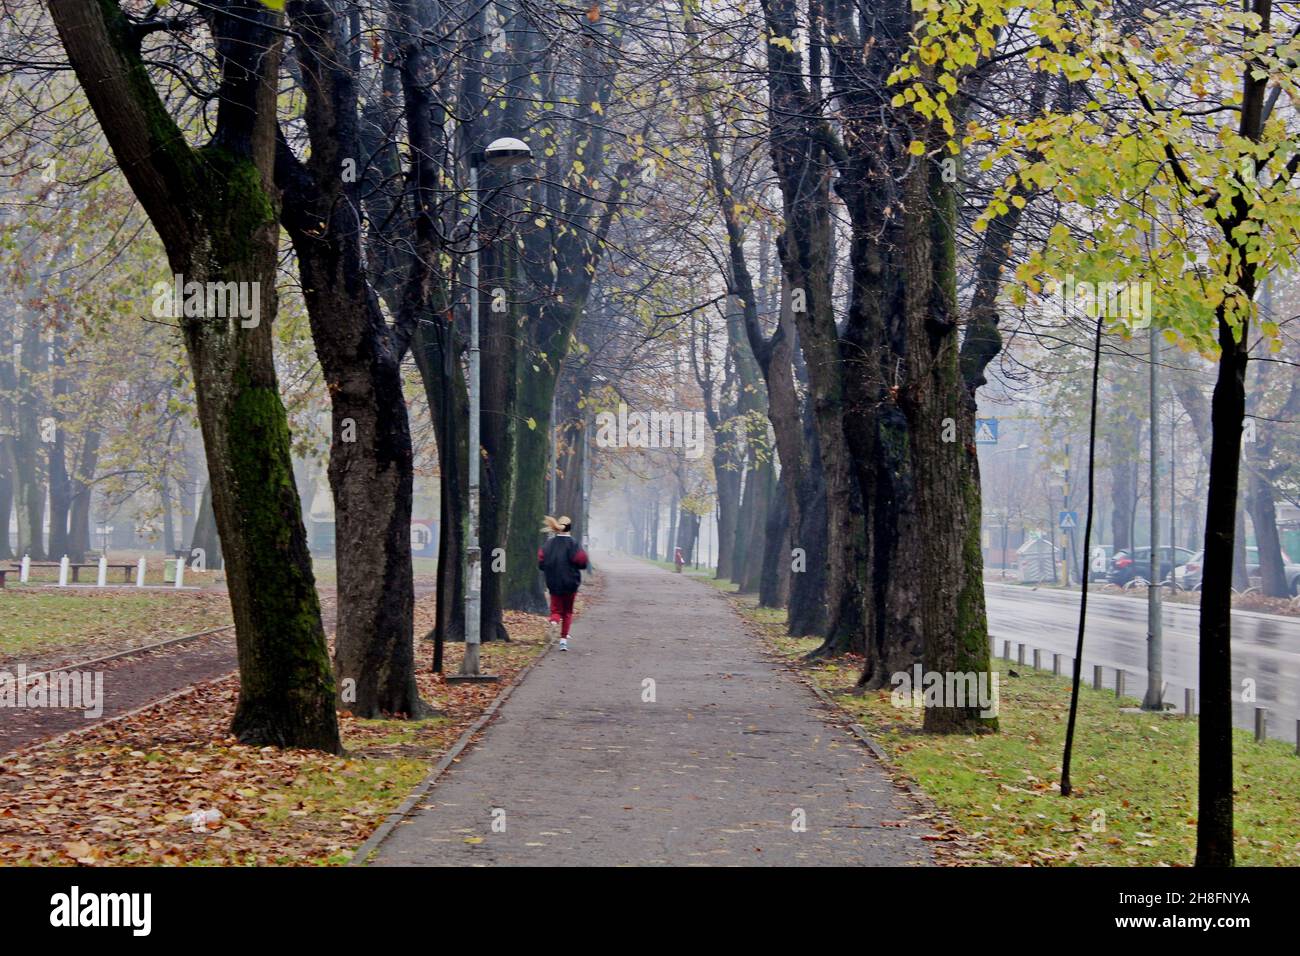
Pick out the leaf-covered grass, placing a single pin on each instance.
(119, 794)
(42, 620)
(1133, 774)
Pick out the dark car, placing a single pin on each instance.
(1189, 576)
(1133, 564)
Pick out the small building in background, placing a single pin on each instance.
(1036, 561)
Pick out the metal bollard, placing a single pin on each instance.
(1038, 659)
(1096, 677)
(1056, 665)
(1189, 703)
(139, 573)
(1119, 682)
(1006, 650)
(1261, 725)
(1020, 655)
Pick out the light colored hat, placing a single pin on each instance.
(557, 525)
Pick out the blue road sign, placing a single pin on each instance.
(986, 431)
(1068, 520)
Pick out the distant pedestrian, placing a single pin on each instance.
(678, 559)
(562, 561)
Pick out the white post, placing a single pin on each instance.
(63, 572)
(180, 572)
(26, 568)
(139, 573)
(103, 572)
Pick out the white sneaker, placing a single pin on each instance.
(564, 643)
(552, 631)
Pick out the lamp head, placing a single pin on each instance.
(507, 151)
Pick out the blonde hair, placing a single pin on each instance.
(559, 525)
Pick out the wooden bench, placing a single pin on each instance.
(76, 568)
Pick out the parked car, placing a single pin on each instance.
(1134, 563)
(1189, 575)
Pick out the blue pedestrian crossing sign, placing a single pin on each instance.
(1068, 520)
(986, 431)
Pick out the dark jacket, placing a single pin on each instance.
(562, 561)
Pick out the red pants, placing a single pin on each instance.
(562, 611)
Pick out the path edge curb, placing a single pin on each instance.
(130, 652)
(385, 829)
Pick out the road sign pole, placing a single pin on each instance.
(1066, 523)
(1155, 677)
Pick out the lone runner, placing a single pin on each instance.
(562, 561)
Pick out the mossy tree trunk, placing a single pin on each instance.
(558, 265)
(216, 210)
(523, 590)
(947, 472)
(910, 411)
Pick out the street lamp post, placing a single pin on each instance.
(499, 154)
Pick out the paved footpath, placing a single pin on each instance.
(712, 772)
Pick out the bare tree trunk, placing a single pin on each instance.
(774, 581)
(206, 540)
(727, 476)
(56, 456)
(1123, 481)
(803, 171)
(79, 542)
(371, 458)
(444, 390)
(29, 490)
(1214, 840)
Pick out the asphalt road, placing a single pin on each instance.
(1265, 648)
(579, 768)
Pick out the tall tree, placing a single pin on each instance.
(371, 460)
(215, 208)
